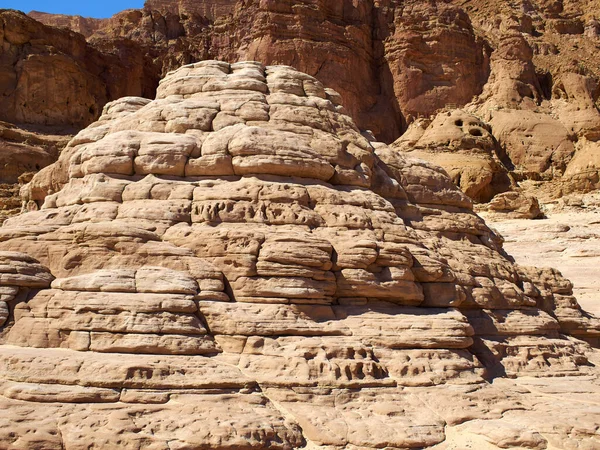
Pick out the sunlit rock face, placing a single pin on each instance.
(462, 144)
(234, 265)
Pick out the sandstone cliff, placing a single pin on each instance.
(52, 76)
(234, 265)
(527, 70)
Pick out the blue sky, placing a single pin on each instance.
(98, 9)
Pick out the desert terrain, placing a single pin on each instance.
(239, 224)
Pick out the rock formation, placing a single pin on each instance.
(463, 145)
(22, 153)
(54, 77)
(516, 205)
(52, 84)
(526, 71)
(234, 265)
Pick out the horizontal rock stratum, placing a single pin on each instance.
(502, 95)
(234, 266)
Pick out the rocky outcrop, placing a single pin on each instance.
(408, 60)
(433, 55)
(27, 150)
(463, 145)
(516, 205)
(82, 25)
(526, 71)
(54, 77)
(234, 265)
(205, 8)
(53, 83)
(567, 240)
(24, 152)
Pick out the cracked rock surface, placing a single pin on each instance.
(234, 265)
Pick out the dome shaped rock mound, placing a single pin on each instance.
(235, 266)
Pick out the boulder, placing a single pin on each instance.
(516, 205)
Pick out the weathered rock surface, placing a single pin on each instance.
(52, 76)
(409, 59)
(540, 110)
(234, 265)
(567, 239)
(463, 145)
(23, 152)
(527, 72)
(516, 205)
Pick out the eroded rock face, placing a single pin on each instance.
(516, 205)
(22, 154)
(234, 265)
(568, 239)
(462, 144)
(54, 77)
(527, 70)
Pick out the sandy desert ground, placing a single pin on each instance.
(567, 239)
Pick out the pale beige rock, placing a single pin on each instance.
(567, 239)
(160, 279)
(169, 344)
(68, 367)
(394, 283)
(464, 146)
(516, 322)
(43, 393)
(527, 356)
(318, 361)
(383, 324)
(4, 313)
(431, 367)
(234, 265)
(516, 205)
(535, 142)
(254, 152)
(107, 425)
(369, 417)
(102, 280)
(294, 289)
(582, 174)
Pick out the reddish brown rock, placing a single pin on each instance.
(433, 57)
(529, 71)
(83, 25)
(205, 8)
(380, 91)
(54, 77)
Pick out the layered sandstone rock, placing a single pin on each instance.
(234, 265)
(424, 56)
(83, 25)
(527, 70)
(206, 8)
(541, 100)
(516, 205)
(568, 240)
(24, 152)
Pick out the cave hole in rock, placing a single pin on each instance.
(545, 81)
